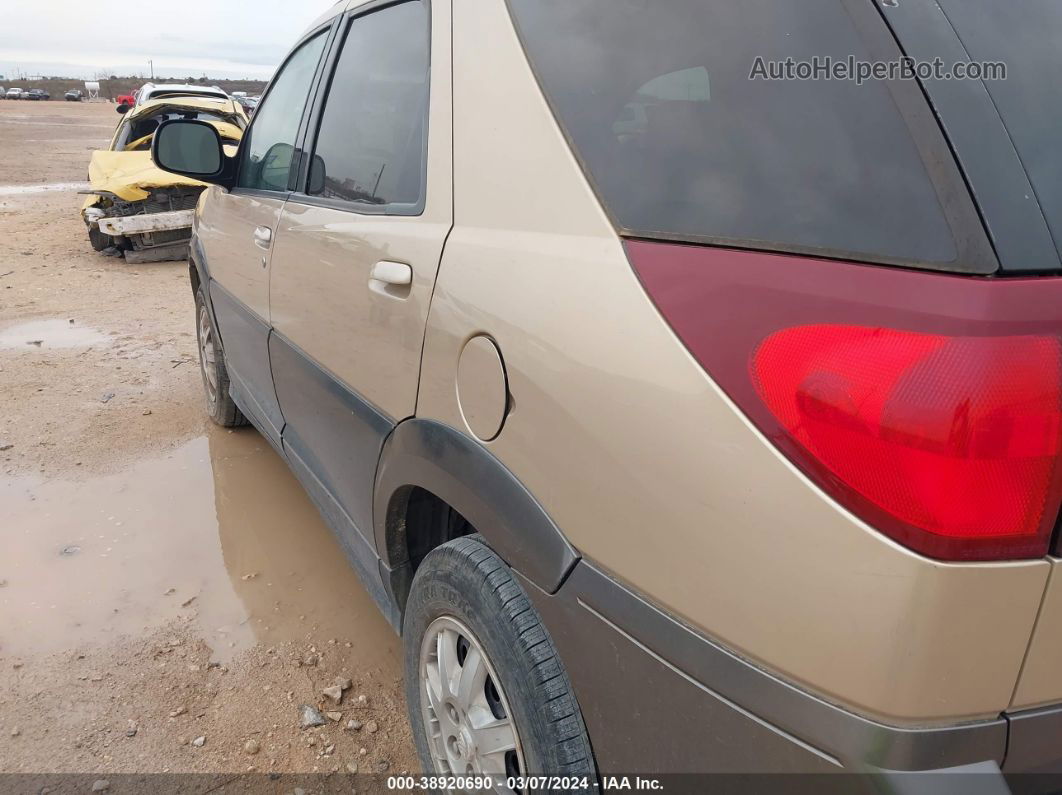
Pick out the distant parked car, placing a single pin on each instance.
(246, 102)
(14, 93)
(36, 94)
(74, 95)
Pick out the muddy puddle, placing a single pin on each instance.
(19, 190)
(218, 534)
(38, 334)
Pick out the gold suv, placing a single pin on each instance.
(682, 414)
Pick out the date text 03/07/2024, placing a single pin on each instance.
(525, 783)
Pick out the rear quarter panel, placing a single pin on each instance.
(1041, 676)
(649, 468)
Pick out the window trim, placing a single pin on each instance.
(989, 159)
(328, 29)
(122, 123)
(974, 253)
(308, 144)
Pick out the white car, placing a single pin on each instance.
(152, 91)
(14, 93)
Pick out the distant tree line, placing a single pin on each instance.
(112, 86)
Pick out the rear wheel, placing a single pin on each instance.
(486, 691)
(220, 405)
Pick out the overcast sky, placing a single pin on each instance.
(222, 38)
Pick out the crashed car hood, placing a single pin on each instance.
(132, 175)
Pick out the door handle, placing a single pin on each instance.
(263, 236)
(397, 273)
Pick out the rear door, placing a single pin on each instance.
(359, 245)
(236, 231)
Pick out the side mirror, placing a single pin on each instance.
(191, 149)
(123, 109)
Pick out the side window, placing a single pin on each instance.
(268, 147)
(371, 144)
(683, 140)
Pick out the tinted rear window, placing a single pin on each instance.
(1027, 38)
(680, 143)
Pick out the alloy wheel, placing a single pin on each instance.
(207, 356)
(466, 715)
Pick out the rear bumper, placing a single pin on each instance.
(119, 225)
(1035, 742)
(659, 696)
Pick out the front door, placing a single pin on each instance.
(359, 246)
(236, 234)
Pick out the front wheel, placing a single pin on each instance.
(220, 405)
(486, 691)
(98, 239)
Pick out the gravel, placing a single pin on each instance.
(310, 717)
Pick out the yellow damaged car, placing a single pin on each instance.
(136, 210)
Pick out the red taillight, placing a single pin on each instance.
(955, 436)
(929, 405)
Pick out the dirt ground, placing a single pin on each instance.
(169, 598)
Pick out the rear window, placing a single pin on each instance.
(136, 130)
(184, 93)
(680, 143)
(1027, 39)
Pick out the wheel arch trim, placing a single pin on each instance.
(464, 474)
(197, 259)
(197, 262)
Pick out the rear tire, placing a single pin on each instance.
(464, 598)
(220, 405)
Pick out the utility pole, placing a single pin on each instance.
(152, 65)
